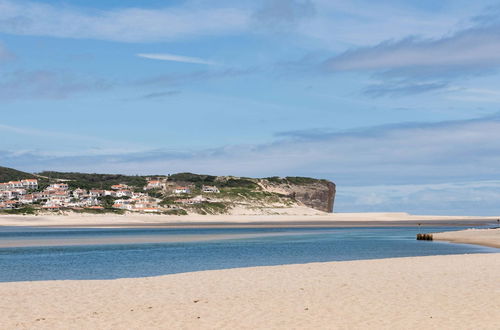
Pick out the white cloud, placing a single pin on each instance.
(128, 25)
(353, 23)
(474, 95)
(177, 58)
(476, 48)
(459, 198)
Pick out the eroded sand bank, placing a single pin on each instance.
(438, 292)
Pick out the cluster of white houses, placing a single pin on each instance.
(15, 194)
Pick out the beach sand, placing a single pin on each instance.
(437, 292)
(332, 219)
(486, 237)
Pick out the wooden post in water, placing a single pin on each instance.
(424, 237)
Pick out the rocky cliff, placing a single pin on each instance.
(314, 193)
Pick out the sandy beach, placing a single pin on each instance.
(486, 237)
(437, 292)
(324, 219)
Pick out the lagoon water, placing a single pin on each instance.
(138, 252)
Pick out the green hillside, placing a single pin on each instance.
(243, 192)
(93, 180)
(10, 174)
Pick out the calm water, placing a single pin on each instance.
(291, 245)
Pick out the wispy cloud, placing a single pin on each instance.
(468, 50)
(46, 145)
(157, 95)
(177, 58)
(403, 87)
(416, 65)
(475, 95)
(457, 197)
(129, 25)
(47, 84)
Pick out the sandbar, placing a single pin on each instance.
(129, 239)
(487, 237)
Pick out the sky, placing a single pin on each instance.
(395, 101)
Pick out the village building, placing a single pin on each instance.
(96, 193)
(79, 193)
(27, 199)
(154, 184)
(31, 184)
(182, 190)
(122, 193)
(7, 194)
(7, 205)
(210, 189)
(120, 186)
(58, 186)
(15, 184)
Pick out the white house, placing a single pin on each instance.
(58, 186)
(123, 193)
(96, 193)
(30, 184)
(182, 190)
(210, 189)
(154, 184)
(120, 186)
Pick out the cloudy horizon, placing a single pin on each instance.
(396, 102)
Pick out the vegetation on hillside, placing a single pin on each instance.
(210, 208)
(233, 191)
(193, 178)
(296, 180)
(25, 210)
(10, 174)
(95, 181)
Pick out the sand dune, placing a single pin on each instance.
(438, 292)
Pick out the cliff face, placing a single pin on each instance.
(317, 194)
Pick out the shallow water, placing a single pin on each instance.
(137, 252)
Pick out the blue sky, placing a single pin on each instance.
(396, 101)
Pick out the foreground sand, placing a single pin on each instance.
(74, 219)
(487, 237)
(438, 292)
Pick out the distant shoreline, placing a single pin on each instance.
(324, 220)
